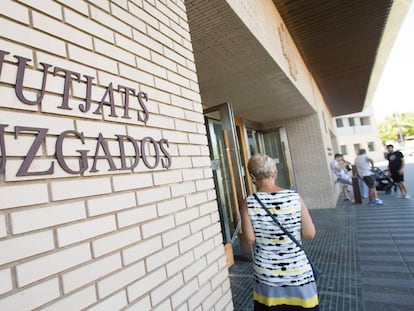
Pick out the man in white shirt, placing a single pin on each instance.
(338, 166)
(364, 166)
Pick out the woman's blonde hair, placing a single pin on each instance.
(261, 166)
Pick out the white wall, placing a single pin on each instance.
(360, 134)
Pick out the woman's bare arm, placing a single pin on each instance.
(308, 228)
(247, 227)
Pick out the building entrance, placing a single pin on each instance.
(231, 144)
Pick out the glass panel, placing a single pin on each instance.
(270, 143)
(274, 149)
(221, 175)
(252, 142)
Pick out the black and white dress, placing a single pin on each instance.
(283, 278)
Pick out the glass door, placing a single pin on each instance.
(226, 165)
(275, 144)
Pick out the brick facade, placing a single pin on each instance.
(137, 239)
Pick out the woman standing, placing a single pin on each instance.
(283, 278)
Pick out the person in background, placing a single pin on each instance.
(364, 166)
(340, 168)
(396, 165)
(283, 277)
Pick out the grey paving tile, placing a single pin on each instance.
(405, 302)
(389, 286)
(375, 248)
(391, 258)
(366, 256)
(376, 252)
(384, 306)
(385, 274)
(386, 282)
(242, 285)
(384, 268)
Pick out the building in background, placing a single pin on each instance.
(126, 126)
(356, 131)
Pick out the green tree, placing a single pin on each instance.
(389, 129)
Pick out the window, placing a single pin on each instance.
(371, 146)
(365, 121)
(351, 121)
(357, 147)
(344, 150)
(339, 122)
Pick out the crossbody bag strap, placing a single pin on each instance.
(278, 223)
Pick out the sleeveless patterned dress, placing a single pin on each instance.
(283, 278)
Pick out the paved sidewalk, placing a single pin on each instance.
(365, 254)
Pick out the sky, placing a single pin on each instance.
(395, 90)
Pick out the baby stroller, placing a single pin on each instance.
(383, 182)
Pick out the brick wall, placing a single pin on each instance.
(137, 239)
(313, 176)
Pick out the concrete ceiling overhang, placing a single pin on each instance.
(232, 66)
(339, 42)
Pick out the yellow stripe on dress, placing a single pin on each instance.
(274, 241)
(291, 301)
(278, 271)
(286, 210)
